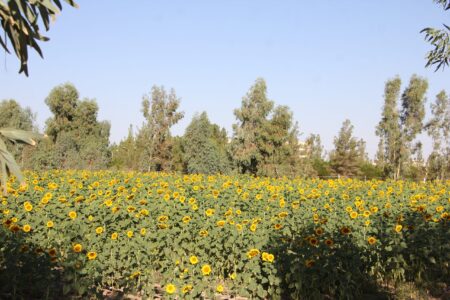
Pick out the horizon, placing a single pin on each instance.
(215, 51)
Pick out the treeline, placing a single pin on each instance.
(264, 142)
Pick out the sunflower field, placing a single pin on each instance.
(75, 234)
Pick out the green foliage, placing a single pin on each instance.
(346, 158)
(440, 40)
(413, 107)
(322, 167)
(250, 132)
(204, 147)
(262, 145)
(438, 128)
(370, 171)
(8, 164)
(20, 21)
(78, 139)
(154, 141)
(12, 115)
(389, 131)
(125, 155)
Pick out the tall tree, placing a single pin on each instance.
(411, 117)
(154, 139)
(438, 128)
(265, 139)
(204, 151)
(282, 146)
(77, 139)
(250, 133)
(389, 130)
(345, 158)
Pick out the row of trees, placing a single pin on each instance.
(264, 142)
(399, 152)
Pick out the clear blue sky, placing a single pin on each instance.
(326, 60)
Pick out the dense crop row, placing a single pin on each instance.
(80, 232)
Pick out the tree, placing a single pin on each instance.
(345, 158)
(389, 131)
(20, 21)
(154, 140)
(250, 133)
(282, 146)
(438, 128)
(204, 151)
(12, 115)
(124, 155)
(77, 139)
(411, 117)
(440, 40)
(314, 158)
(265, 139)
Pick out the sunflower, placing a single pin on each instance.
(26, 228)
(187, 288)
(309, 263)
(313, 241)
(77, 248)
(283, 214)
(114, 236)
(99, 230)
(170, 289)
(219, 288)
(52, 252)
(277, 226)
(92, 255)
(267, 257)
(28, 207)
(345, 230)
(371, 240)
(193, 259)
(252, 253)
(329, 242)
(72, 215)
(50, 224)
(221, 223)
(163, 218)
(206, 270)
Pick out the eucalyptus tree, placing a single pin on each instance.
(154, 140)
(389, 130)
(439, 56)
(412, 119)
(438, 128)
(250, 134)
(20, 21)
(265, 138)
